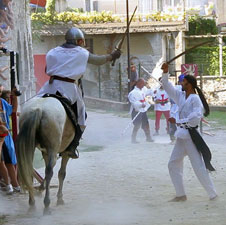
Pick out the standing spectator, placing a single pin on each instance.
(139, 105)
(162, 106)
(8, 149)
(6, 14)
(133, 76)
(3, 170)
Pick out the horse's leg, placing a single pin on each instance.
(61, 176)
(50, 163)
(31, 200)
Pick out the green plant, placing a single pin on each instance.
(199, 25)
(77, 16)
(50, 6)
(214, 61)
(207, 59)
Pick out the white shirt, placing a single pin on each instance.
(65, 62)
(161, 95)
(174, 107)
(190, 110)
(137, 99)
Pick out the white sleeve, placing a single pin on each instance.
(136, 103)
(149, 92)
(170, 89)
(196, 115)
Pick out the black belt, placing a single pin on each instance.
(65, 79)
(185, 126)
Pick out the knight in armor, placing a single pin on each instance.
(66, 65)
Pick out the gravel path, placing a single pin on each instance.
(118, 183)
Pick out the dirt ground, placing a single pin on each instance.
(115, 182)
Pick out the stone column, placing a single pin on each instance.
(22, 43)
(179, 47)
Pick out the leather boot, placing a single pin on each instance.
(71, 150)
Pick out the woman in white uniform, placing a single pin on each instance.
(189, 142)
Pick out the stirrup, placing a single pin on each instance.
(74, 154)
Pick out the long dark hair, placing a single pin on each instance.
(192, 80)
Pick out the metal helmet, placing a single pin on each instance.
(73, 35)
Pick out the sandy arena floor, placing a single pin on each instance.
(115, 182)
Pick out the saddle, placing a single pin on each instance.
(71, 111)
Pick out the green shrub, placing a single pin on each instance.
(207, 59)
(199, 25)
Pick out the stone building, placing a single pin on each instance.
(21, 43)
(149, 41)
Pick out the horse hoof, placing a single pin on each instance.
(46, 212)
(32, 209)
(60, 202)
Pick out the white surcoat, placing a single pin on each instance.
(70, 63)
(161, 95)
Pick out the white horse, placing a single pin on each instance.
(43, 124)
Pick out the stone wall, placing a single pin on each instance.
(22, 43)
(215, 91)
(146, 49)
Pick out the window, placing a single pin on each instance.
(88, 6)
(95, 5)
(160, 5)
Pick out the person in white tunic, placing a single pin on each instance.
(162, 106)
(66, 65)
(188, 142)
(137, 98)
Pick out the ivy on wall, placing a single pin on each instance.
(214, 61)
(207, 59)
(201, 26)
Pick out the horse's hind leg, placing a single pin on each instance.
(61, 177)
(50, 163)
(31, 201)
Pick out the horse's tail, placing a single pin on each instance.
(25, 146)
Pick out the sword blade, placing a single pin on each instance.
(188, 50)
(130, 123)
(122, 40)
(147, 72)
